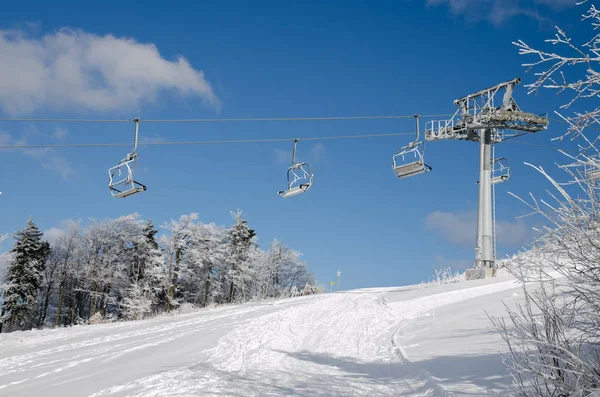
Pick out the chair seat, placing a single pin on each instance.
(291, 192)
(410, 169)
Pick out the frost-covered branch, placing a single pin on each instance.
(554, 335)
(571, 68)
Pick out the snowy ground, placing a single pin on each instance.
(406, 341)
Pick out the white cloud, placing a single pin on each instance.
(315, 153)
(455, 264)
(557, 4)
(60, 133)
(60, 165)
(53, 234)
(498, 11)
(5, 259)
(5, 138)
(75, 70)
(49, 159)
(283, 157)
(460, 228)
(37, 153)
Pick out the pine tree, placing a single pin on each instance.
(144, 249)
(152, 275)
(24, 276)
(149, 233)
(240, 240)
(175, 244)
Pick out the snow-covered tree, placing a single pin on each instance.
(23, 277)
(49, 278)
(571, 69)
(123, 269)
(174, 246)
(68, 249)
(144, 246)
(282, 270)
(554, 336)
(138, 301)
(238, 271)
(108, 259)
(259, 261)
(206, 265)
(109, 254)
(5, 260)
(148, 273)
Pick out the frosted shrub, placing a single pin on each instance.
(554, 335)
(137, 304)
(445, 275)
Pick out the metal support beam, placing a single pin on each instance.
(508, 85)
(484, 255)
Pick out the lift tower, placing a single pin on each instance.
(478, 119)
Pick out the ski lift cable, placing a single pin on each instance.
(166, 143)
(215, 120)
(70, 145)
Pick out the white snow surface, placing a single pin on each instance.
(405, 341)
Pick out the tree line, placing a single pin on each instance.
(121, 269)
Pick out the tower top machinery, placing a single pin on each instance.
(479, 119)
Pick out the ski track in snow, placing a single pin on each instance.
(330, 344)
(108, 347)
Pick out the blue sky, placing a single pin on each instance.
(273, 59)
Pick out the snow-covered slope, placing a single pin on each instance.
(406, 341)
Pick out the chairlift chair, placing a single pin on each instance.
(404, 169)
(501, 170)
(126, 186)
(299, 175)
